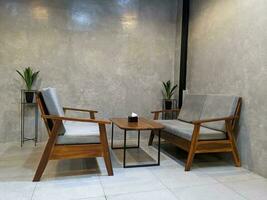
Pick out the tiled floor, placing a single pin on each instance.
(211, 178)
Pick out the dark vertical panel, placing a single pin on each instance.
(184, 43)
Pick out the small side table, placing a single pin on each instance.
(23, 105)
(142, 124)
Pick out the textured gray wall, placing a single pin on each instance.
(228, 54)
(108, 55)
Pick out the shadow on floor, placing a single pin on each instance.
(180, 156)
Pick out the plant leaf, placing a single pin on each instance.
(20, 74)
(35, 74)
(173, 88)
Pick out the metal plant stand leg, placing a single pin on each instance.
(23, 104)
(22, 124)
(36, 126)
(112, 129)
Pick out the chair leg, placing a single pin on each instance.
(193, 147)
(235, 153)
(236, 159)
(151, 137)
(106, 154)
(43, 162)
(189, 160)
(47, 152)
(108, 163)
(233, 144)
(40, 170)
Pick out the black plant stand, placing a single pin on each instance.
(23, 105)
(171, 115)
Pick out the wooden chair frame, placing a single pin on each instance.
(204, 146)
(55, 151)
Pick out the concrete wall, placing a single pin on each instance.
(228, 54)
(108, 55)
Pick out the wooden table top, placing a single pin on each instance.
(142, 124)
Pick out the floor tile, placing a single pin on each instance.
(232, 176)
(218, 166)
(14, 150)
(17, 172)
(93, 198)
(253, 190)
(153, 195)
(16, 190)
(86, 179)
(225, 172)
(173, 177)
(3, 147)
(130, 180)
(165, 160)
(206, 192)
(69, 188)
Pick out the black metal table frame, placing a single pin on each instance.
(124, 147)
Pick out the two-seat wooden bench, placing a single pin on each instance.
(205, 124)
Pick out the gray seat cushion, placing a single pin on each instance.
(217, 106)
(185, 130)
(53, 104)
(79, 133)
(192, 107)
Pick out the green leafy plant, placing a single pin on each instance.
(28, 76)
(168, 89)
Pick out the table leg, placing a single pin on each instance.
(141, 165)
(122, 147)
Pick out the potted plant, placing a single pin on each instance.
(29, 77)
(168, 91)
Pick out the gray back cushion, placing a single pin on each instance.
(218, 106)
(192, 107)
(53, 104)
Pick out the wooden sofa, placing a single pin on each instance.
(205, 124)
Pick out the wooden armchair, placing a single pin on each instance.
(205, 124)
(70, 138)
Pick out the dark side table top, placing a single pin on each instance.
(142, 124)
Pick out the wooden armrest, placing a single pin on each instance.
(78, 109)
(156, 113)
(99, 121)
(166, 111)
(91, 112)
(214, 119)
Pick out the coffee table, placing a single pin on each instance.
(142, 124)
